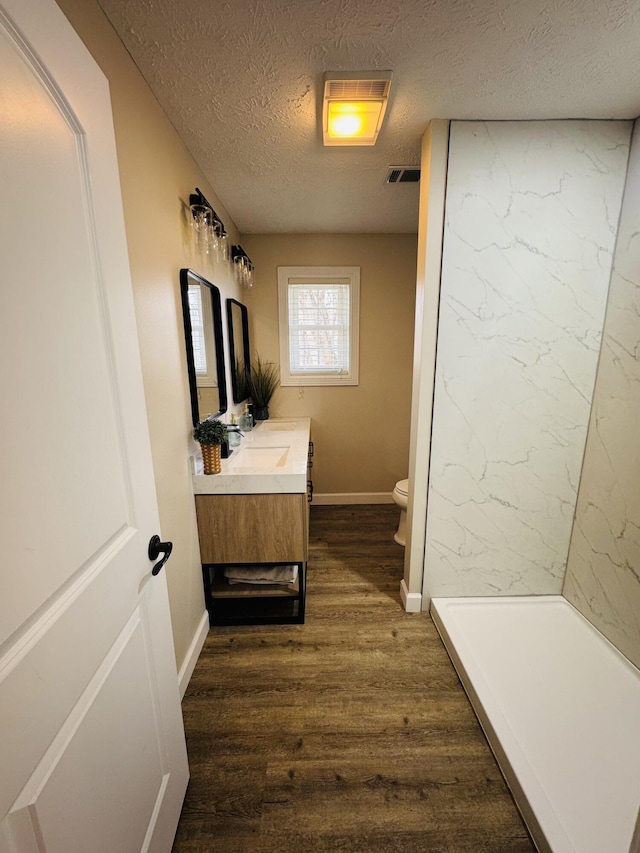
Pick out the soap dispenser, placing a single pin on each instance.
(233, 433)
(246, 419)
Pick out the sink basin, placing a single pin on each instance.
(262, 457)
(272, 459)
(276, 426)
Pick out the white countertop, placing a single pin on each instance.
(271, 459)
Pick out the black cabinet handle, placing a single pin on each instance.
(309, 490)
(156, 547)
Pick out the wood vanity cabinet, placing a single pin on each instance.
(256, 513)
(247, 529)
(252, 528)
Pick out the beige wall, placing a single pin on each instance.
(157, 174)
(361, 432)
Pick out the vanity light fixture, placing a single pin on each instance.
(353, 106)
(243, 266)
(210, 233)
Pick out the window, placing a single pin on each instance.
(204, 351)
(318, 310)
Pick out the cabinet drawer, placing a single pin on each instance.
(252, 528)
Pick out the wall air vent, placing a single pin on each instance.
(403, 175)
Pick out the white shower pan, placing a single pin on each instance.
(561, 709)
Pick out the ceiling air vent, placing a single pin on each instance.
(353, 106)
(356, 89)
(403, 175)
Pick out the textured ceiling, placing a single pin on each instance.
(241, 81)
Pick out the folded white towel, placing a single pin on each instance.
(261, 574)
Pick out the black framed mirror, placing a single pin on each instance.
(239, 349)
(202, 317)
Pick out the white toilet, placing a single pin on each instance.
(400, 496)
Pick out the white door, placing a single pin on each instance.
(92, 751)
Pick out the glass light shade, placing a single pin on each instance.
(353, 122)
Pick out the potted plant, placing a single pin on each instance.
(210, 435)
(263, 379)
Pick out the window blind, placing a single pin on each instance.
(319, 320)
(196, 313)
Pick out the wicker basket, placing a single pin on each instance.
(211, 458)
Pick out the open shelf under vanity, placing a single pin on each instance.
(250, 603)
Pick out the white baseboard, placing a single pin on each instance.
(193, 653)
(412, 601)
(352, 498)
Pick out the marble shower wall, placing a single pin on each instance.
(603, 572)
(531, 215)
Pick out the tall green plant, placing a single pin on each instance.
(264, 378)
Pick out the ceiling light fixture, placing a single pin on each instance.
(353, 106)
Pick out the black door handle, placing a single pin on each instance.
(156, 547)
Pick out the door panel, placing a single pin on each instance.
(91, 736)
(131, 774)
(39, 675)
(52, 309)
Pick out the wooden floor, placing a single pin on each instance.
(348, 733)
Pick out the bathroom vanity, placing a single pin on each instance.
(256, 513)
